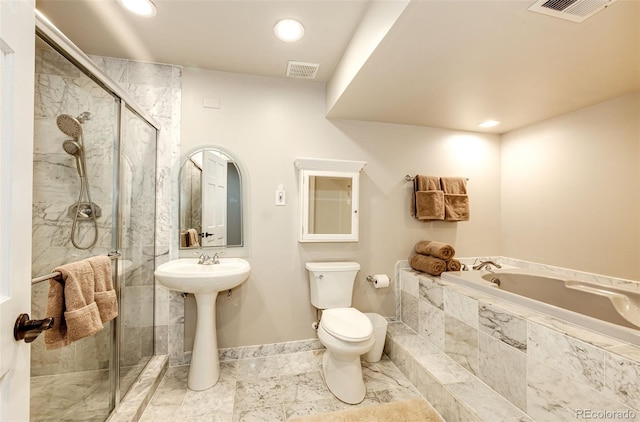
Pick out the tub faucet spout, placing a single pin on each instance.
(486, 265)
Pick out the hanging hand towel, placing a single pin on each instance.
(72, 306)
(427, 201)
(436, 249)
(105, 295)
(193, 238)
(456, 200)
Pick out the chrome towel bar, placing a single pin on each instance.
(56, 274)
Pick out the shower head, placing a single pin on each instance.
(72, 147)
(69, 125)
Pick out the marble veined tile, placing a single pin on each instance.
(485, 402)
(301, 362)
(461, 343)
(444, 369)
(461, 307)
(417, 345)
(272, 413)
(550, 391)
(409, 281)
(257, 393)
(622, 380)
(304, 387)
(295, 410)
(431, 323)
(215, 400)
(504, 369)
(504, 326)
(259, 368)
(399, 329)
(580, 361)
(383, 376)
(431, 292)
(409, 310)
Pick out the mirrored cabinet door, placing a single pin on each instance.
(328, 200)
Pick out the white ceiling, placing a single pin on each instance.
(449, 63)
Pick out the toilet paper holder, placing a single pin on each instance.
(371, 278)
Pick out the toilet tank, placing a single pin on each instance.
(331, 283)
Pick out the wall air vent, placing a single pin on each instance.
(302, 70)
(573, 10)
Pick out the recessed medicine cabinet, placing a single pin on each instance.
(329, 192)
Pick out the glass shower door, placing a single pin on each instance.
(76, 126)
(138, 205)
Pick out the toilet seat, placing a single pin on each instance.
(348, 324)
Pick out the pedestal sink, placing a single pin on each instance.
(204, 281)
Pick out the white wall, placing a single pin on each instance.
(266, 123)
(571, 190)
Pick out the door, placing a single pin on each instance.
(17, 40)
(214, 199)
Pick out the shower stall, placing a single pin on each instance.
(94, 193)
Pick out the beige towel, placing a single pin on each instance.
(183, 239)
(427, 201)
(193, 238)
(456, 200)
(436, 249)
(427, 264)
(72, 305)
(105, 295)
(453, 265)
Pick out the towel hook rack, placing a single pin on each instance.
(409, 178)
(57, 274)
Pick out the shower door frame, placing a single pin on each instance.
(63, 45)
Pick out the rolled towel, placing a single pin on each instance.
(427, 264)
(436, 249)
(453, 265)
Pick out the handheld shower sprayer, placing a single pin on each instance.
(74, 148)
(84, 209)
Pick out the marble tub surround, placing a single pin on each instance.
(544, 367)
(273, 387)
(453, 391)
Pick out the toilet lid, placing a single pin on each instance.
(347, 324)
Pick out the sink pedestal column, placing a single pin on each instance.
(205, 365)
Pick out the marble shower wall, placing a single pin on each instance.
(549, 369)
(62, 88)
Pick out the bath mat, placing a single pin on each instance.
(417, 410)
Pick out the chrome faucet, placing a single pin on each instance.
(485, 265)
(204, 259)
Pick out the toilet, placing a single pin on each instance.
(345, 332)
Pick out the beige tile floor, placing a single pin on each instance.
(273, 388)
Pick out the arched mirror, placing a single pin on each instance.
(210, 200)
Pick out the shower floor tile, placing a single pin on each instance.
(270, 389)
(82, 396)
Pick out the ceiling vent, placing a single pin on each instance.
(573, 10)
(302, 70)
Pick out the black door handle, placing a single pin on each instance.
(29, 329)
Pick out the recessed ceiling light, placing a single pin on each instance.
(489, 123)
(289, 30)
(140, 7)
